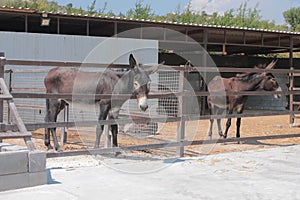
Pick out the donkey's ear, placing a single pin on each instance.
(271, 65)
(154, 68)
(132, 61)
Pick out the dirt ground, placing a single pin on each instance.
(79, 139)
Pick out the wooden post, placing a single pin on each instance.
(291, 78)
(63, 134)
(2, 64)
(10, 89)
(181, 112)
(204, 64)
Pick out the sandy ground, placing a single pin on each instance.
(83, 138)
(256, 174)
(267, 169)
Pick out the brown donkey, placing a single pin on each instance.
(135, 82)
(243, 82)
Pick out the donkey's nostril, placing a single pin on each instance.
(144, 108)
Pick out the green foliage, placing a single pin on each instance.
(241, 17)
(140, 11)
(43, 5)
(91, 9)
(292, 17)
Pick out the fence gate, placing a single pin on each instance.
(5, 95)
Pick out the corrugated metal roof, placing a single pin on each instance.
(20, 9)
(26, 10)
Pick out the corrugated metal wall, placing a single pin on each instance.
(65, 48)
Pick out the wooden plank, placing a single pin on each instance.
(35, 126)
(13, 135)
(295, 89)
(167, 144)
(150, 96)
(6, 97)
(163, 67)
(62, 64)
(3, 87)
(20, 125)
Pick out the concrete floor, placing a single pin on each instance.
(260, 174)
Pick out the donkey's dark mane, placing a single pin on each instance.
(247, 77)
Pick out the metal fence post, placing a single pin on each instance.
(181, 112)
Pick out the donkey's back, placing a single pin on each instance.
(70, 80)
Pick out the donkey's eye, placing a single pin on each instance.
(148, 85)
(136, 84)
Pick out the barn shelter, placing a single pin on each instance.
(240, 45)
(228, 40)
(227, 46)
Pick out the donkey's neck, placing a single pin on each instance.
(253, 83)
(125, 84)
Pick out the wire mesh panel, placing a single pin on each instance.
(22, 79)
(168, 82)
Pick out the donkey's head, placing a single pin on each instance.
(141, 82)
(270, 83)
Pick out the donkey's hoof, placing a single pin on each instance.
(58, 149)
(49, 147)
(117, 154)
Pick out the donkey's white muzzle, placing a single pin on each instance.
(277, 96)
(143, 103)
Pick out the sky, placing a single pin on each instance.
(270, 9)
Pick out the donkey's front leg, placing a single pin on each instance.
(47, 139)
(55, 141)
(114, 131)
(99, 131)
(228, 124)
(238, 125)
(104, 108)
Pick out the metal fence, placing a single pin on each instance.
(169, 101)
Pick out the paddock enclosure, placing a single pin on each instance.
(177, 119)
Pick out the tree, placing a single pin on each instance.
(91, 9)
(140, 11)
(69, 8)
(292, 17)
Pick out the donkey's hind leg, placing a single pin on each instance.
(53, 109)
(219, 112)
(212, 112)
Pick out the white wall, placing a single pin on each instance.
(69, 48)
